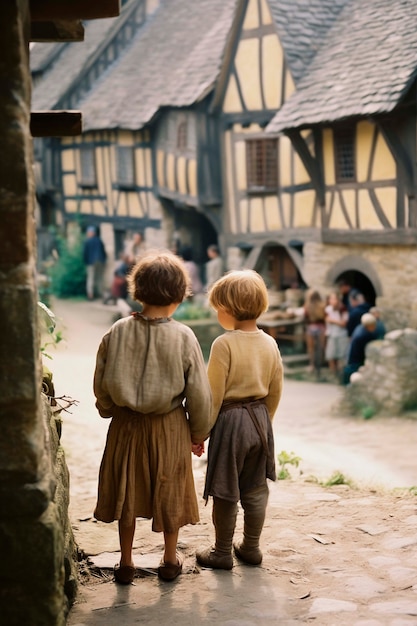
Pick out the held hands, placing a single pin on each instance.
(197, 448)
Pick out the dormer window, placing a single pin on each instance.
(262, 165)
(344, 148)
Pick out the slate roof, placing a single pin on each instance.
(174, 61)
(59, 65)
(302, 26)
(366, 64)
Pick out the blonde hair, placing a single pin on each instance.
(242, 293)
(159, 278)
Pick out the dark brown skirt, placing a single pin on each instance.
(146, 471)
(238, 460)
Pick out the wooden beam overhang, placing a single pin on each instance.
(53, 10)
(310, 163)
(55, 123)
(60, 30)
(401, 156)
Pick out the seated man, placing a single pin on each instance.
(365, 332)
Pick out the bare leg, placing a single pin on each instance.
(126, 534)
(170, 554)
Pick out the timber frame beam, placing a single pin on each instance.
(310, 163)
(55, 123)
(52, 10)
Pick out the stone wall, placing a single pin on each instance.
(391, 269)
(38, 554)
(386, 384)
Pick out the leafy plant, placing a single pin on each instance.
(49, 335)
(284, 459)
(368, 412)
(337, 478)
(68, 273)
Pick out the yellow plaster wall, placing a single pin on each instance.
(148, 167)
(388, 200)
(232, 102)
(228, 147)
(122, 205)
(71, 206)
(304, 209)
(68, 160)
(256, 217)
(273, 219)
(384, 167)
(252, 15)
(286, 209)
(272, 68)
(328, 157)
(367, 216)
(170, 172)
(266, 17)
(182, 174)
(247, 67)
(133, 203)
(244, 215)
(300, 173)
(338, 219)
(364, 136)
(192, 177)
(140, 172)
(125, 138)
(69, 185)
(240, 157)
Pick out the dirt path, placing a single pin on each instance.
(331, 555)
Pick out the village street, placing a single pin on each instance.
(332, 555)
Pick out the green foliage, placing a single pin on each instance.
(191, 311)
(68, 274)
(368, 412)
(413, 490)
(49, 335)
(284, 459)
(337, 478)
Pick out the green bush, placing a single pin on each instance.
(68, 274)
(191, 311)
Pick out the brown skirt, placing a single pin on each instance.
(146, 471)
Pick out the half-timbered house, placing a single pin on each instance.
(284, 129)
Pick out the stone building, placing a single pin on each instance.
(38, 579)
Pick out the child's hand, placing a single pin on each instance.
(197, 448)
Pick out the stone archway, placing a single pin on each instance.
(359, 273)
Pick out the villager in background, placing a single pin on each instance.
(214, 267)
(315, 322)
(246, 376)
(135, 247)
(357, 307)
(94, 256)
(186, 253)
(150, 378)
(365, 332)
(337, 340)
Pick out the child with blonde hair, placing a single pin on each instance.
(151, 379)
(246, 375)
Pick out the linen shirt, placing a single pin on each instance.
(245, 365)
(153, 367)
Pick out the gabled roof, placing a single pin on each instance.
(302, 26)
(174, 61)
(366, 64)
(59, 66)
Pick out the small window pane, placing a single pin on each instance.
(344, 141)
(262, 164)
(125, 166)
(88, 167)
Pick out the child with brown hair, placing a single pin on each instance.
(151, 379)
(246, 375)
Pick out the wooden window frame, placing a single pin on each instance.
(344, 138)
(125, 180)
(262, 165)
(182, 134)
(88, 180)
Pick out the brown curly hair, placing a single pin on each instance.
(159, 278)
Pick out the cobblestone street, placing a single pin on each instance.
(344, 555)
